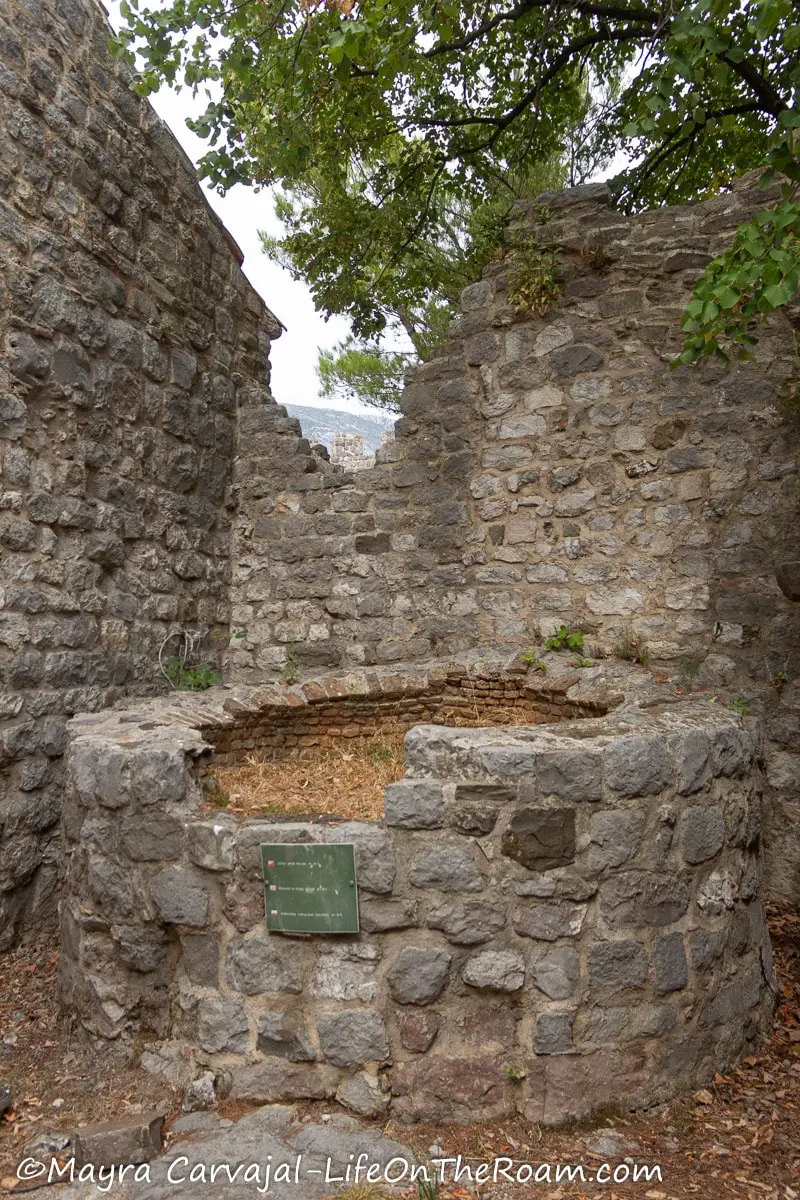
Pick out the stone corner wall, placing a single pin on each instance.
(552, 470)
(127, 332)
(573, 905)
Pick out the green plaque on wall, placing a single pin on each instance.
(310, 888)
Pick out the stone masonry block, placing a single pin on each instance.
(569, 774)
(468, 923)
(181, 897)
(643, 898)
(496, 970)
(617, 966)
(137, 1140)
(702, 832)
(669, 960)
(419, 975)
(638, 766)
(414, 804)
(352, 1037)
(448, 868)
(541, 838)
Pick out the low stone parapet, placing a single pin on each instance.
(554, 918)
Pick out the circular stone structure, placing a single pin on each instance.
(555, 918)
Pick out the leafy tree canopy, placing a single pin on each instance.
(384, 113)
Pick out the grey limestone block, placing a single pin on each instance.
(378, 916)
(351, 1037)
(557, 972)
(614, 836)
(702, 832)
(158, 838)
(540, 838)
(638, 766)
(414, 804)
(136, 1140)
(669, 960)
(181, 896)
(642, 898)
(549, 922)
(617, 966)
(211, 845)
(447, 867)
(222, 1025)
(498, 970)
(280, 1033)
(141, 947)
(552, 1033)
(468, 922)
(419, 975)
(201, 958)
(256, 966)
(571, 773)
(361, 1093)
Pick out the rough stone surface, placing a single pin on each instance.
(200, 1095)
(556, 973)
(541, 838)
(498, 970)
(362, 1094)
(448, 869)
(547, 471)
(418, 976)
(352, 1037)
(468, 923)
(702, 833)
(137, 1140)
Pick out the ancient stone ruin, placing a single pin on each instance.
(546, 471)
(554, 918)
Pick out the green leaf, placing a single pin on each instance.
(727, 296)
(777, 295)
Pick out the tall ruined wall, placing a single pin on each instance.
(545, 469)
(552, 470)
(125, 323)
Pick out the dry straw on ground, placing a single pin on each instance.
(346, 781)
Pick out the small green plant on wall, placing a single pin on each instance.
(531, 659)
(532, 284)
(632, 647)
(565, 639)
(290, 672)
(180, 669)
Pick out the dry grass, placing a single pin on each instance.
(347, 781)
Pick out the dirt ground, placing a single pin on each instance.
(737, 1137)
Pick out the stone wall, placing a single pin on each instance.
(545, 469)
(126, 326)
(551, 470)
(554, 919)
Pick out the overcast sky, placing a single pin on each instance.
(294, 355)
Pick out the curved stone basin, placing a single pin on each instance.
(554, 918)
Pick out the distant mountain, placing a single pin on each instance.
(320, 424)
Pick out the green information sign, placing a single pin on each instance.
(310, 888)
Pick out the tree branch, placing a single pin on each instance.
(771, 100)
(583, 7)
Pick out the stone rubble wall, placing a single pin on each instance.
(126, 326)
(554, 919)
(554, 469)
(545, 469)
